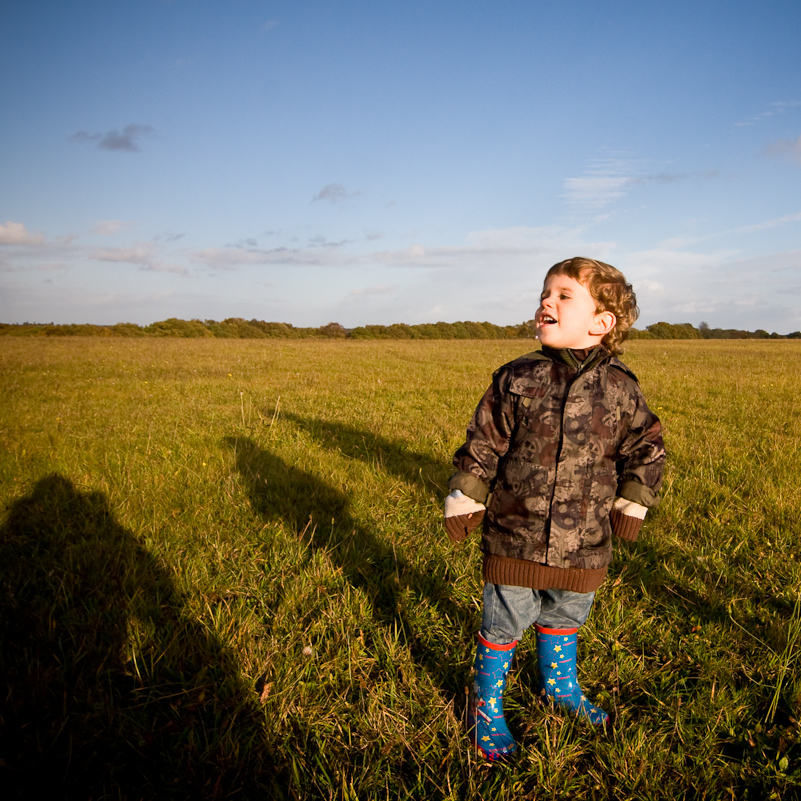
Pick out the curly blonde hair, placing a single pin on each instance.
(611, 291)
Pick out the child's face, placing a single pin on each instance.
(567, 316)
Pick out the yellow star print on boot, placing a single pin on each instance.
(486, 724)
(556, 657)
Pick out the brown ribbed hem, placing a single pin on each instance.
(625, 526)
(522, 573)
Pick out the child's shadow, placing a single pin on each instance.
(394, 457)
(281, 492)
(84, 713)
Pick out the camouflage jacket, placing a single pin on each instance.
(549, 447)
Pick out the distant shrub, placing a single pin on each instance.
(174, 327)
(239, 328)
(673, 331)
(127, 330)
(235, 328)
(283, 330)
(638, 333)
(333, 331)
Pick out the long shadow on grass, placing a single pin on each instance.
(394, 457)
(651, 566)
(80, 717)
(281, 492)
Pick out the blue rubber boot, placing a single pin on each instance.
(486, 725)
(556, 655)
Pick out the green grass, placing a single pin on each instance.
(222, 573)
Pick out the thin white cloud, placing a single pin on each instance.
(366, 293)
(788, 218)
(14, 233)
(168, 236)
(167, 267)
(672, 177)
(231, 258)
(680, 243)
(595, 191)
(484, 250)
(323, 242)
(773, 110)
(108, 227)
(717, 286)
(608, 180)
(142, 254)
(604, 181)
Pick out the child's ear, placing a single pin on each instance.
(604, 323)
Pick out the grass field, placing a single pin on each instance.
(222, 573)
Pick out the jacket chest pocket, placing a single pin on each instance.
(537, 413)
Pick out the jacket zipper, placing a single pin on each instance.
(556, 466)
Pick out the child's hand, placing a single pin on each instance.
(462, 515)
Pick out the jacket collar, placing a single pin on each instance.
(576, 359)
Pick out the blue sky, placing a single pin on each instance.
(372, 162)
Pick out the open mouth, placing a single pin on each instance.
(546, 319)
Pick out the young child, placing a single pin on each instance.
(561, 452)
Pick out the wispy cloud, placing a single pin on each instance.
(168, 236)
(142, 254)
(233, 257)
(369, 292)
(126, 140)
(321, 241)
(139, 253)
(610, 179)
(673, 177)
(108, 227)
(603, 182)
(717, 286)
(334, 193)
(774, 110)
(250, 243)
(785, 148)
(498, 249)
(682, 242)
(595, 191)
(14, 233)
(775, 223)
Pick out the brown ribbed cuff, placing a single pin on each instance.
(625, 526)
(522, 573)
(459, 527)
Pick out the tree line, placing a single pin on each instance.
(238, 328)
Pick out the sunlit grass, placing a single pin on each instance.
(239, 582)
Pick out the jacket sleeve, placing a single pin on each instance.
(488, 436)
(641, 457)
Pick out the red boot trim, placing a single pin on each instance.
(565, 632)
(495, 647)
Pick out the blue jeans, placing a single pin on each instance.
(509, 611)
